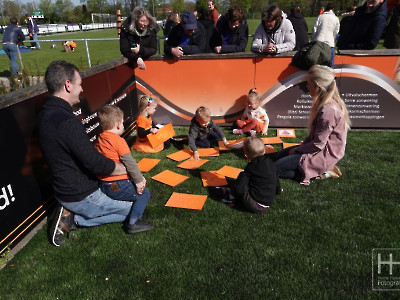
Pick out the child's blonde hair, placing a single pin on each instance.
(203, 113)
(254, 96)
(109, 115)
(253, 147)
(145, 101)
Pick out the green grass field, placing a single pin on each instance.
(315, 242)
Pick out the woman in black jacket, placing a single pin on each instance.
(138, 39)
(300, 27)
(231, 33)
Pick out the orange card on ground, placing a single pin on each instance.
(170, 178)
(212, 178)
(146, 164)
(231, 145)
(208, 151)
(230, 172)
(287, 145)
(285, 132)
(186, 201)
(269, 149)
(222, 146)
(272, 140)
(192, 164)
(181, 155)
(163, 134)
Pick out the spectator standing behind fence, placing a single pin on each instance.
(366, 27)
(186, 38)
(392, 38)
(11, 37)
(300, 27)
(138, 40)
(325, 29)
(213, 13)
(33, 30)
(231, 33)
(202, 17)
(318, 154)
(275, 34)
(172, 21)
(346, 19)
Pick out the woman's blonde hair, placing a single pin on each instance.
(327, 92)
(136, 14)
(145, 101)
(254, 95)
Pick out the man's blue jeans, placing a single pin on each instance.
(12, 53)
(125, 190)
(97, 209)
(35, 38)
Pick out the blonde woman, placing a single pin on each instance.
(318, 154)
(138, 40)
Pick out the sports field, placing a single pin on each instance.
(315, 242)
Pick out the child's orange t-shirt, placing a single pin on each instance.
(145, 123)
(112, 146)
(143, 144)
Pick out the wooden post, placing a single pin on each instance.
(119, 22)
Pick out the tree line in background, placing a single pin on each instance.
(64, 11)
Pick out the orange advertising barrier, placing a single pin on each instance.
(367, 83)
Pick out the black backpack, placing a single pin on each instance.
(313, 53)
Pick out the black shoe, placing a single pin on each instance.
(137, 227)
(223, 194)
(60, 226)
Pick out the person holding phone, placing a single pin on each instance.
(138, 40)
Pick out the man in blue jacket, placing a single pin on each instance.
(188, 37)
(366, 26)
(231, 32)
(12, 36)
(33, 30)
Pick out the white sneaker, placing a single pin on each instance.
(237, 131)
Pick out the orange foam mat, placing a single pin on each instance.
(229, 171)
(163, 134)
(187, 201)
(170, 178)
(192, 164)
(146, 164)
(212, 178)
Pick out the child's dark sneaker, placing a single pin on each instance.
(139, 226)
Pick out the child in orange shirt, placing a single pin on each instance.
(127, 187)
(255, 118)
(145, 126)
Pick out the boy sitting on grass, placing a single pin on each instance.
(203, 131)
(256, 187)
(121, 187)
